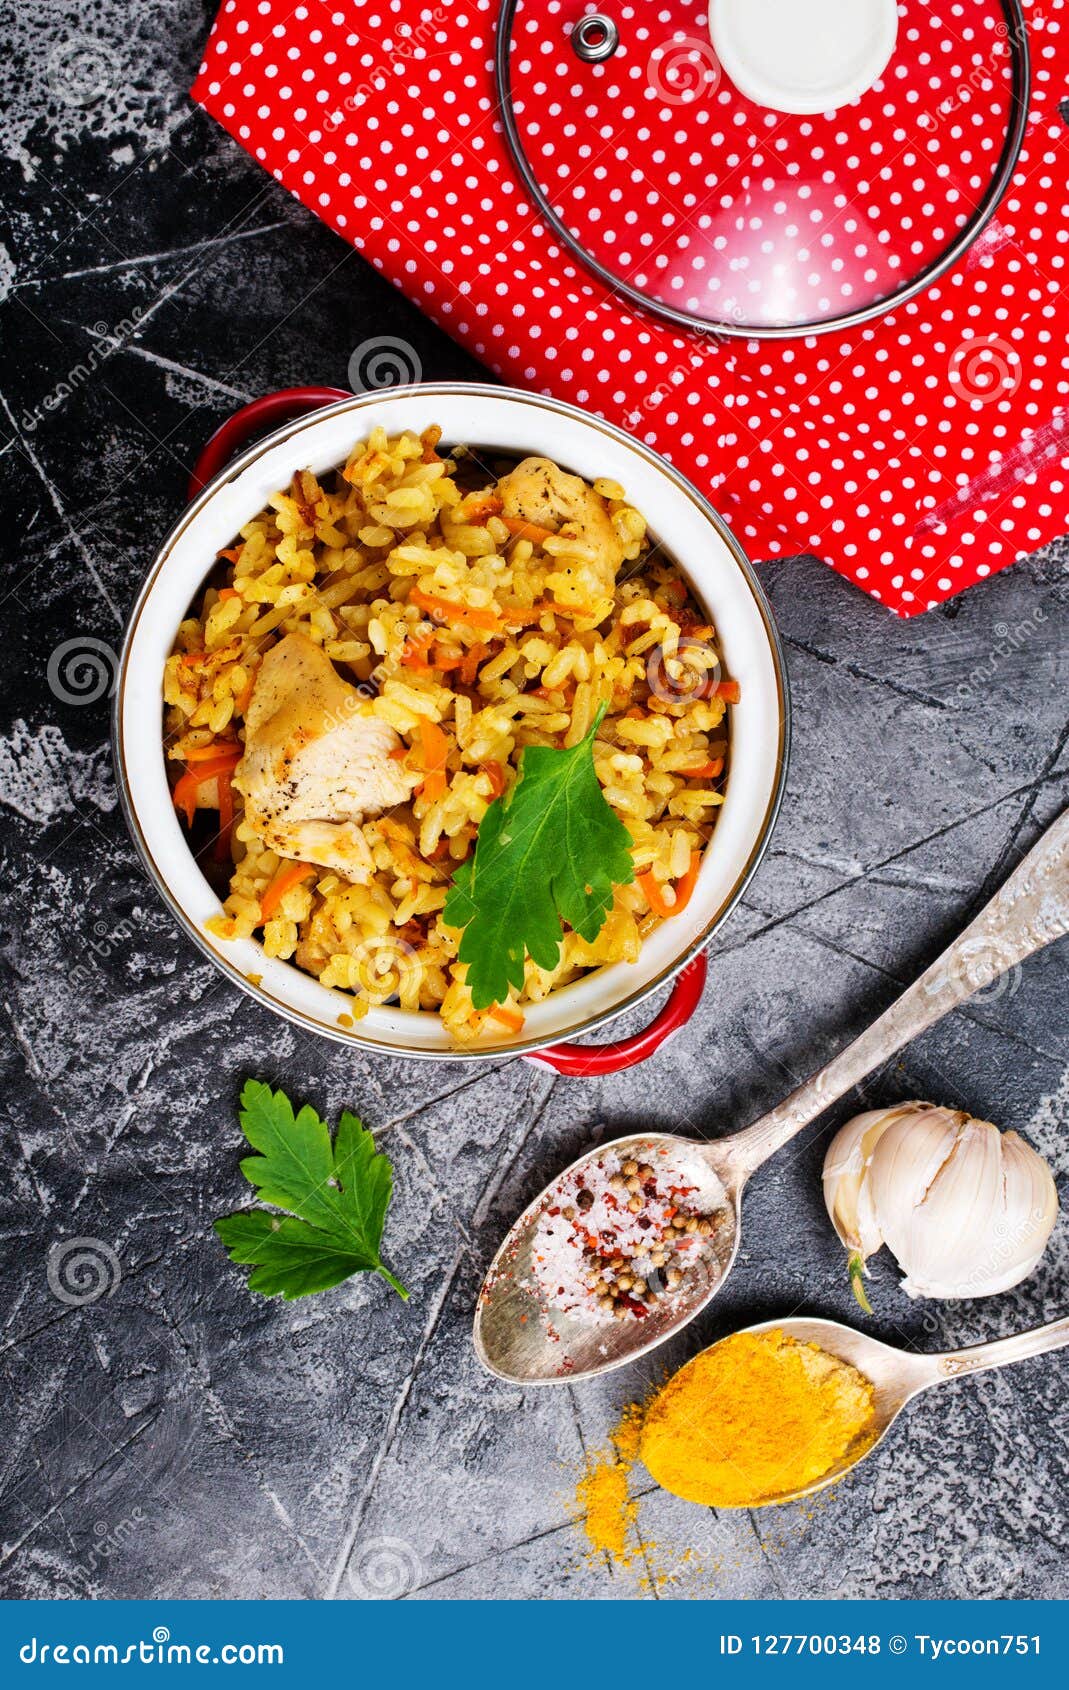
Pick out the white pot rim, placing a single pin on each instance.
(384, 1030)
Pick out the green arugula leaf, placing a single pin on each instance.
(550, 850)
(337, 1197)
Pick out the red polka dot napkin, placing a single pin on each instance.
(916, 454)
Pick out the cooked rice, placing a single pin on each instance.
(527, 661)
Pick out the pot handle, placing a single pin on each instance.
(589, 1060)
(257, 417)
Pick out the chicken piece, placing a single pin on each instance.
(316, 761)
(539, 491)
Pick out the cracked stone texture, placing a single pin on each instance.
(179, 1437)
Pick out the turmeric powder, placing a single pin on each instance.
(756, 1417)
(606, 1513)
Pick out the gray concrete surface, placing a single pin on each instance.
(178, 1437)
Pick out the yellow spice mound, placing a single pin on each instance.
(754, 1417)
(606, 1514)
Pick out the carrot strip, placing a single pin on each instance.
(684, 886)
(686, 883)
(522, 530)
(509, 1017)
(225, 793)
(232, 555)
(215, 752)
(184, 796)
(414, 655)
(229, 593)
(244, 698)
(435, 748)
(705, 771)
(288, 876)
(469, 669)
(729, 691)
(472, 615)
(479, 508)
(497, 777)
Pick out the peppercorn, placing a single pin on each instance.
(584, 1199)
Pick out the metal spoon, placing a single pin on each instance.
(900, 1375)
(518, 1338)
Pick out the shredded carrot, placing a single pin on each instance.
(417, 646)
(398, 754)
(706, 771)
(225, 793)
(193, 658)
(218, 750)
(184, 796)
(522, 530)
(684, 886)
(229, 593)
(244, 699)
(435, 749)
(288, 876)
(497, 777)
(451, 611)
(479, 508)
(469, 669)
(729, 691)
(231, 556)
(440, 849)
(509, 1017)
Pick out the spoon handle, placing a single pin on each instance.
(1029, 911)
(1001, 1352)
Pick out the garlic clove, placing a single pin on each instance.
(906, 1160)
(1028, 1212)
(846, 1190)
(941, 1231)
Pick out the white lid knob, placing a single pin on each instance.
(803, 56)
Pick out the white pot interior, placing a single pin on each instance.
(512, 423)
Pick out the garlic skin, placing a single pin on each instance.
(964, 1208)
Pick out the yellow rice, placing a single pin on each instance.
(337, 561)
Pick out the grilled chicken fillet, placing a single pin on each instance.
(316, 761)
(538, 491)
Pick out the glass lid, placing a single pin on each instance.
(765, 167)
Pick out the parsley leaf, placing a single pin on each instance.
(337, 1197)
(550, 850)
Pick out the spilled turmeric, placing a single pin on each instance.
(757, 1417)
(606, 1512)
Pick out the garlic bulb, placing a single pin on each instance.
(966, 1209)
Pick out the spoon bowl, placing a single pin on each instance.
(521, 1337)
(898, 1375)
